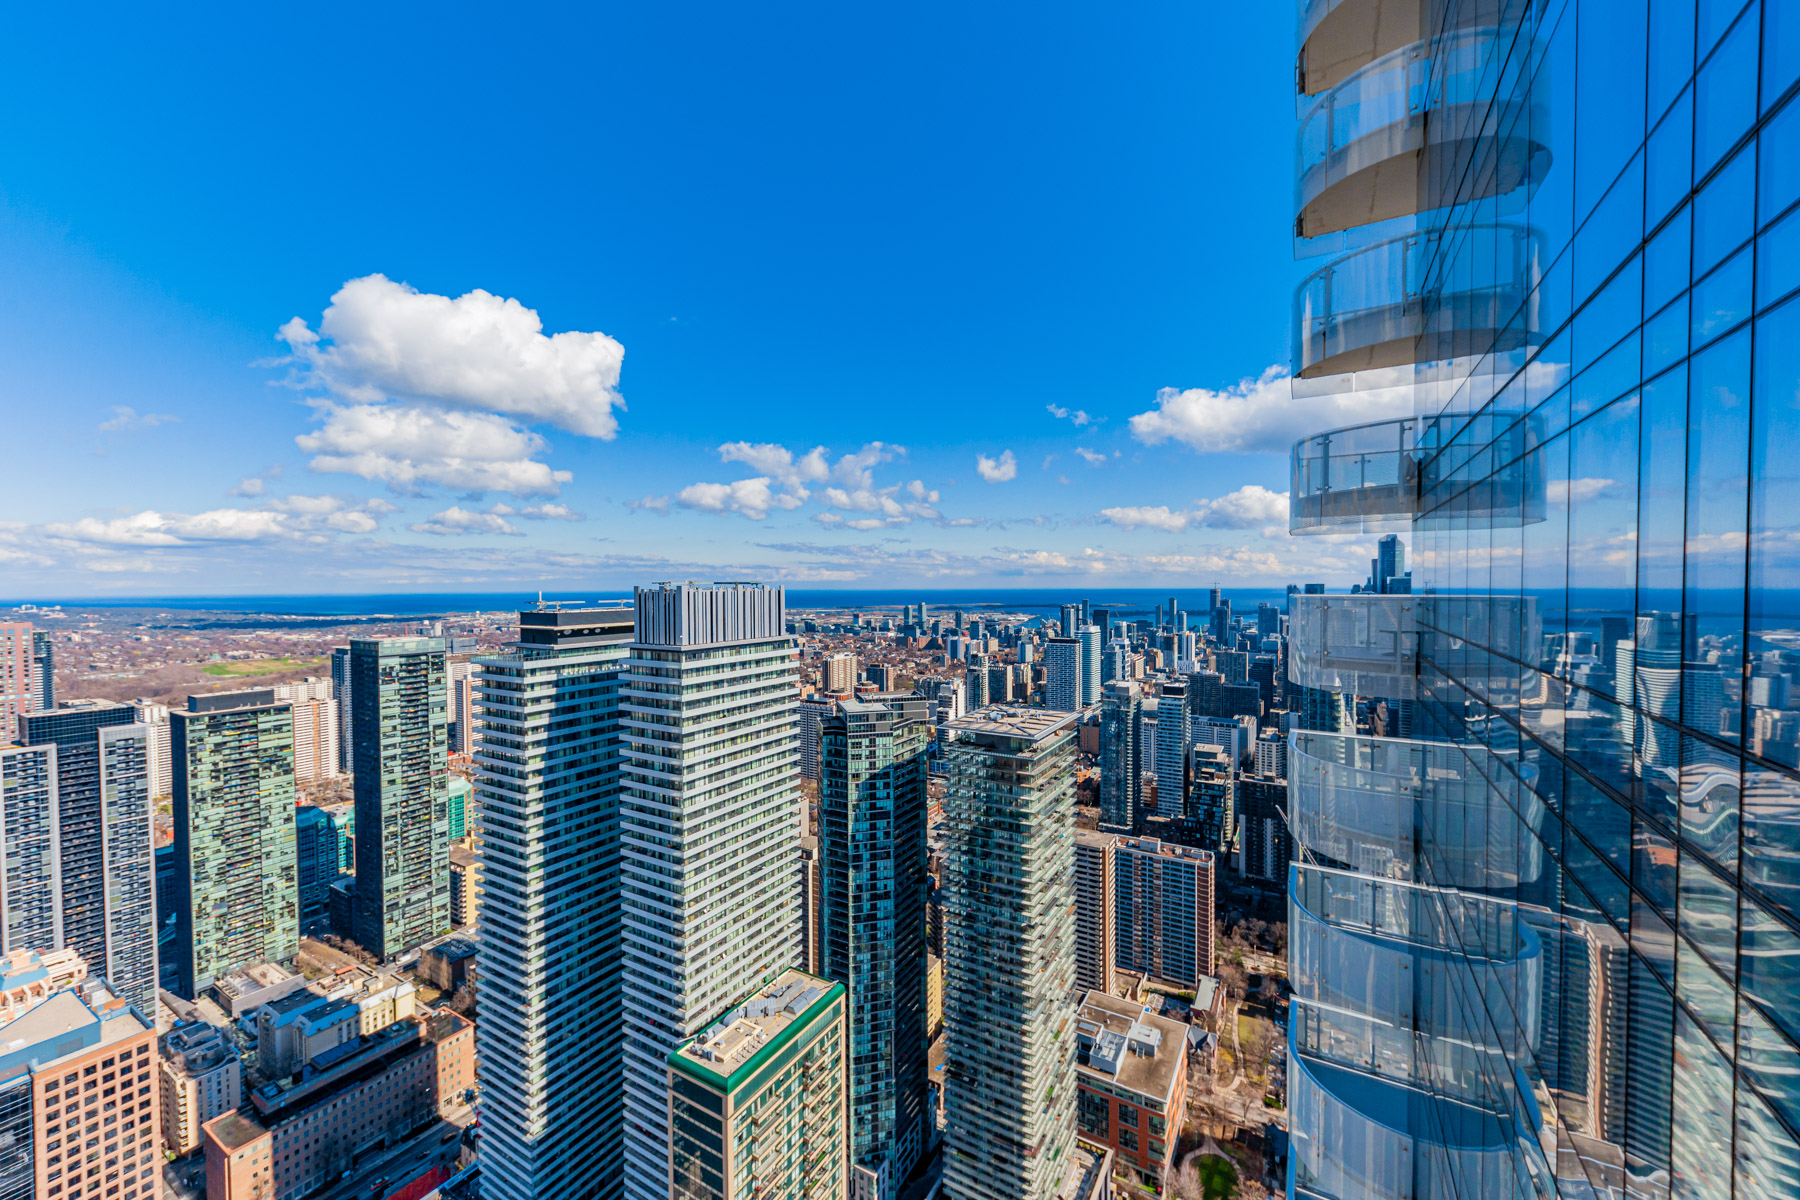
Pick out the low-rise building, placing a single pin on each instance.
(202, 1077)
(1131, 1077)
(449, 963)
(78, 1081)
(29, 977)
(255, 986)
(294, 1030)
(756, 1100)
(297, 1135)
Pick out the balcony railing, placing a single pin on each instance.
(1384, 305)
(1408, 809)
(1362, 645)
(1359, 147)
(1366, 476)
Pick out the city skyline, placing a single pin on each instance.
(394, 396)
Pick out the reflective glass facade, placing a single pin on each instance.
(1550, 944)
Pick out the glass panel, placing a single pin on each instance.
(1709, 800)
(1715, 17)
(1723, 211)
(1671, 50)
(1722, 299)
(1701, 1140)
(1780, 182)
(1609, 102)
(1725, 97)
(1772, 836)
(1669, 160)
(1772, 689)
(1612, 231)
(1666, 338)
(1709, 914)
(1781, 51)
(1768, 1160)
(1778, 259)
(1654, 651)
(1770, 974)
(1668, 260)
(1653, 868)
(1718, 485)
(1650, 1043)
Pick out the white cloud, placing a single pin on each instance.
(1248, 507)
(454, 521)
(1563, 492)
(126, 417)
(251, 486)
(151, 528)
(1093, 458)
(753, 498)
(1260, 415)
(422, 389)
(551, 512)
(1062, 414)
(381, 340)
(408, 446)
(997, 470)
(1160, 517)
(788, 480)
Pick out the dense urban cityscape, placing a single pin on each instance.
(1454, 856)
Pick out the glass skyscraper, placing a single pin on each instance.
(1547, 945)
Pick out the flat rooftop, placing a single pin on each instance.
(235, 1129)
(1032, 724)
(727, 1052)
(1130, 1045)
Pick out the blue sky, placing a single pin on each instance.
(905, 238)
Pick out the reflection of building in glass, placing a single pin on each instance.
(1536, 937)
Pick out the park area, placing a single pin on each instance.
(248, 668)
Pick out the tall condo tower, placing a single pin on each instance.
(43, 676)
(1121, 761)
(19, 686)
(104, 854)
(31, 915)
(401, 764)
(873, 880)
(710, 831)
(550, 1040)
(237, 887)
(1090, 665)
(1062, 674)
(1009, 961)
(342, 689)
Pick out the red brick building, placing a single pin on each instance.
(1131, 1074)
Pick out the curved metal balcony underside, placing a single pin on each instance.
(1340, 37)
(1400, 333)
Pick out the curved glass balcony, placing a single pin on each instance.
(1364, 477)
(1362, 645)
(1359, 1137)
(1359, 147)
(1368, 309)
(1380, 805)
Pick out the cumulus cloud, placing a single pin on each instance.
(1563, 492)
(997, 470)
(409, 446)
(551, 512)
(1093, 458)
(1062, 414)
(1249, 507)
(1261, 415)
(125, 417)
(420, 389)
(380, 340)
(788, 480)
(298, 517)
(456, 520)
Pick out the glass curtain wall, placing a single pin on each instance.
(1556, 950)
